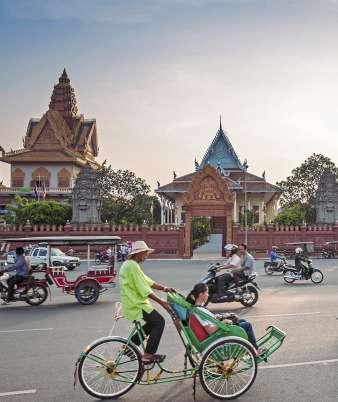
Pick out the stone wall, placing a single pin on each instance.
(262, 238)
(167, 240)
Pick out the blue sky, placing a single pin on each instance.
(157, 74)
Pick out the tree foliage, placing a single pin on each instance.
(38, 212)
(201, 229)
(125, 197)
(291, 216)
(299, 189)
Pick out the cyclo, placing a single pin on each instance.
(225, 361)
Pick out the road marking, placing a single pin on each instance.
(26, 330)
(313, 363)
(27, 391)
(282, 315)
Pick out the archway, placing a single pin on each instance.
(208, 195)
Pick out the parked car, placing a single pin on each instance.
(58, 258)
(10, 257)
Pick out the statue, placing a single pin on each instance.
(86, 200)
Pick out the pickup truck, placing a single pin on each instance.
(38, 257)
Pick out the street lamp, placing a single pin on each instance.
(245, 166)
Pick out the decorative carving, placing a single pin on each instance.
(86, 201)
(327, 199)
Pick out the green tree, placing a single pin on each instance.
(299, 189)
(125, 197)
(291, 216)
(201, 229)
(38, 212)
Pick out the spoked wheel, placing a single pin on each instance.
(228, 369)
(317, 276)
(250, 296)
(268, 269)
(36, 295)
(87, 292)
(289, 276)
(110, 368)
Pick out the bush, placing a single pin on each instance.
(201, 229)
(291, 216)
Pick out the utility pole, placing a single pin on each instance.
(245, 165)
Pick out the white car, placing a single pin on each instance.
(38, 257)
(10, 257)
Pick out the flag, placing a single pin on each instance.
(36, 192)
(44, 190)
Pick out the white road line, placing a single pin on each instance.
(27, 391)
(282, 315)
(313, 363)
(26, 330)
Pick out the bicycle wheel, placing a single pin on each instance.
(317, 276)
(228, 369)
(110, 368)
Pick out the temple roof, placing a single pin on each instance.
(221, 153)
(59, 130)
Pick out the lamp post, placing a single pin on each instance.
(245, 165)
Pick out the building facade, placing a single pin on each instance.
(55, 147)
(219, 188)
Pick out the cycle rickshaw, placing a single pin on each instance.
(225, 361)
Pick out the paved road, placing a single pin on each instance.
(39, 345)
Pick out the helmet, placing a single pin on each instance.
(274, 248)
(228, 247)
(298, 250)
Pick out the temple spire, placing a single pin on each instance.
(220, 123)
(63, 98)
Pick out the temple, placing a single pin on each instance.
(55, 148)
(218, 188)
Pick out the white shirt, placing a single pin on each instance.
(235, 260)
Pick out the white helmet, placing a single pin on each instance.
(298, 250)
(228, 247)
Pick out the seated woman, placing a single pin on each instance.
(199, 296)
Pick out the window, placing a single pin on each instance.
(18, 178)
(64, 178)
(42, 253)
(35, 252)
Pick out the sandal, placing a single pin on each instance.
(153, 359)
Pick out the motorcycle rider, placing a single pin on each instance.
(299, 258)
(274, 256)
(247, 260)
(233, 264)
(21, 266)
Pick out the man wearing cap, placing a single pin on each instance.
(136, 288)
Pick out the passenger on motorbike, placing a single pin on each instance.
(247, 260)
(199, 296)
(233, 264)
(21, 266)
(299, 258)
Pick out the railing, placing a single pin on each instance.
(54, 190)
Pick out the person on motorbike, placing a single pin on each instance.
(247, 260)
(299, 258)
(199, 296)
(21, 268)
(274, 256)
(233, 265)
(136, 288)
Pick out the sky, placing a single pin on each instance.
(156, 75)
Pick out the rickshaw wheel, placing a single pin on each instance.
(317, 276)
(101, 380)
(87, 292)
(36, 295)
(228, 369)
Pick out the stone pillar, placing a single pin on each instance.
(228, 223)
(187, 236)
(162, 211)
(235, 208)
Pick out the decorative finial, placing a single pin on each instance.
(158, 184)
(263, 175)
(245, 164)
(220, 122)
(197, 166)
(174, 174)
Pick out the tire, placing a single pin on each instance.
(36, 295)
(317, 276)
(289, 273)
(268, 270)
(56, 264)
(97, 261)
(108, 350)
(87, 292)
(216, 365)
(249, 301)
(70, 268)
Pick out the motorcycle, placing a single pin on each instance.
(278, 266)
(245, 293)
(32, 291)
(102, 258)
(292, 274)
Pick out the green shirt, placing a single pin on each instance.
(135, 287)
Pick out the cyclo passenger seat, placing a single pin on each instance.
(197, 328)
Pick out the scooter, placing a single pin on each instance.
(245, 293)
(292, 274)
(278, 266)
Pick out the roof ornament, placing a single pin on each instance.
(263, 175)
(220, 123)
(158, 184)
(174, 174)
(197, 166)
